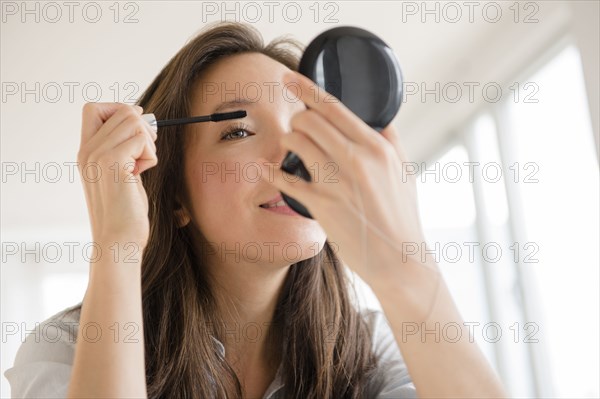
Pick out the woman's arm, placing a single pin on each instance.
(441, 365)
(109, 354)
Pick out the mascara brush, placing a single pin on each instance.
(151, 119)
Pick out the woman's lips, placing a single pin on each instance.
(278, 205)
(274, 200)
(283, 210)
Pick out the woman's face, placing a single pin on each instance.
(222, 164)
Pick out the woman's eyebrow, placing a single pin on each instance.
(235, 103)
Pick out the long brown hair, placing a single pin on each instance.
(326, 345)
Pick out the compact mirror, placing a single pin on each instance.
(360, 70)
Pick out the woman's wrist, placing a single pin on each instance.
(115, 257)
(120, 244)
(409, 287)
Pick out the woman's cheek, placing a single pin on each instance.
(220, 188)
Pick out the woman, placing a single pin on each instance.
(236, 296)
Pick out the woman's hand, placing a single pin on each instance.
(116, 146)
(369, 207)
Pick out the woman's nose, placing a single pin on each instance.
(277, 152)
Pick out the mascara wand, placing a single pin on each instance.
(151, 119)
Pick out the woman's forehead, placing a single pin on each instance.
(238, 80)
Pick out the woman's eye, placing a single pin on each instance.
(234, 135)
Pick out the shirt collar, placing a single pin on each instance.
(275, 385)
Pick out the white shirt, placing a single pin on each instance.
(42, 367)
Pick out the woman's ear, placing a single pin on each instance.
(182, 216)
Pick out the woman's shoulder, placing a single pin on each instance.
(42, 366)
(361, 294)
(392, 377)
(366, 303)
(52, 339)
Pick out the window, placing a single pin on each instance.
(542, 211)
(560, 213)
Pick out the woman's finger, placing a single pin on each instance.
(322, 133)
(128, 128)
(330, 108)
(138, 152)
(94, 116)
(391, 134)
(124, 112)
